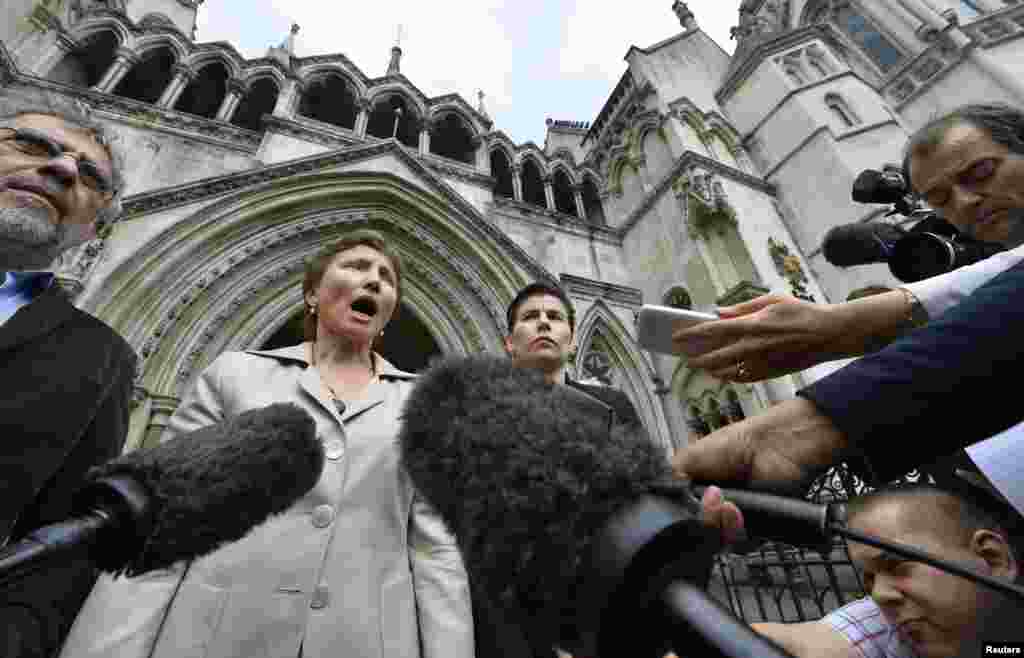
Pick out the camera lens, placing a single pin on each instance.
(922, 255)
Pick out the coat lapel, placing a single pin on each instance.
(38, 318)
(310, 382)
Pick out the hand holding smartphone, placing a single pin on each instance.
(656, 324)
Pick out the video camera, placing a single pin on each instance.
(931, 247)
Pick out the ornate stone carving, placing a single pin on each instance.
(902, 90)
(788, 265)
(927, 69)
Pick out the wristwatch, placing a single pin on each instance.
(917, 316)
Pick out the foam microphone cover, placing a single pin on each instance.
(859, 244)
(212, 486)
(524, 475)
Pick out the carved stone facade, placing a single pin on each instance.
(704, 180)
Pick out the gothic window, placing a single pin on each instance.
(501, 170)
(259, 100)
(85, 66)
(393, 116)
(330, 99)
(533, 184)
(204, 95)
(148, 79)
(592, 202)
(677, 297)
(452, 138)
(841, 111)
(868, 38)
(818, 67)
(565, 200)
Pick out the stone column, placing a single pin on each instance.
(549, 193)
(363, 118)
(286, 99)
(63, 45)
(517, 181)
(425, 126)
(577, 194)
(182, 76)
(236, 90)
(480, 154)
(126, 59)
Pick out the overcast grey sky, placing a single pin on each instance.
(532, 58)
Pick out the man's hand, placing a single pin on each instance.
(775, 335)
(781, 450)
(722, 514)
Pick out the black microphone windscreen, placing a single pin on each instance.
(524, 476)
(212, 486)
(860, 244)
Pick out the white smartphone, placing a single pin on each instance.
(655, 325)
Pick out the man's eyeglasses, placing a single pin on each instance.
(37, 144)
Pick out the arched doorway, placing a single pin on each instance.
(407, 343)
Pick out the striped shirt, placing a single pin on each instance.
(862, 623)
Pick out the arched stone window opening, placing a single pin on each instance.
(533, 184)
(818, 67)
(382, 121)
(85, 66)
(866, 35)
(330, 99)
(156, 19)
(204, 95)
(259, 100)
(733, 407)
(592, 203)
(842, 111)
(677, 297)
(565, 201)
(796, 76)
(450, 137)
(148, 79)
(501, 170)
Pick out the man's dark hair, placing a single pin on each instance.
(970, 507)
(540, 288)
(1003, 123)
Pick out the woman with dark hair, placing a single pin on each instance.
(360, 566)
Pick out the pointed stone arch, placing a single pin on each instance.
(600, 329)
(408, 94)
(237, 265)
(318, 71)
(214, 55)
(178, 47)
(97, 24)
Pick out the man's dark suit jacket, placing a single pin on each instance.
(938, 389)
(65, 391)
(497, 630)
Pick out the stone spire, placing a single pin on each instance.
(396, 54)
(286, 51)
(480, 103)
(685, 16)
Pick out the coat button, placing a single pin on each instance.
(333, 448)
(320, 598)
(322, 516)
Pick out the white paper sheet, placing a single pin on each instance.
(1001, 459)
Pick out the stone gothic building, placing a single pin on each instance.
(705, 179)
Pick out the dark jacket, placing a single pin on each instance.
(938, 389)
(498, 630)
(64, 404)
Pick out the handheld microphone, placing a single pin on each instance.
(184, 498)
(813, 525)
(582, 529)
